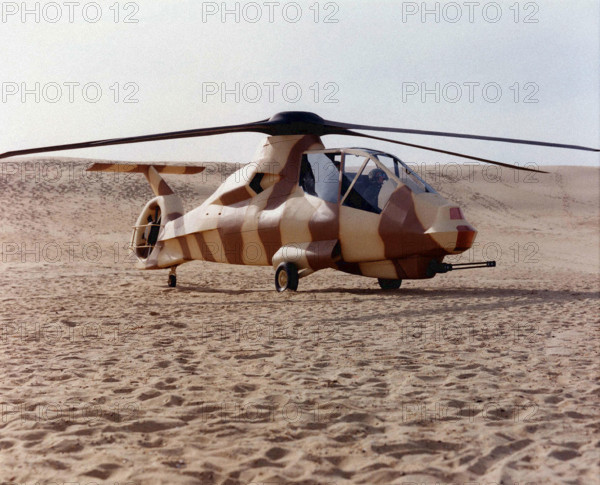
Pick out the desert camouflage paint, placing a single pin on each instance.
(261, 216)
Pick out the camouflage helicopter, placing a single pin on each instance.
(300, 207)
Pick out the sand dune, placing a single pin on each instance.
(480, 376)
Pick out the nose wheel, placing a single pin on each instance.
(286, 277)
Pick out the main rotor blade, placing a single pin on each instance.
(258, 127)
(446, 152)
(349, 126)
(294, 123)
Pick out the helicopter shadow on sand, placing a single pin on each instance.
(461, 299)
(458, 297)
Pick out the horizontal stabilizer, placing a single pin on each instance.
(143, 168)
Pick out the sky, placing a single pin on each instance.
(79, 71)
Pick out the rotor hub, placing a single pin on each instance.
(297, 123)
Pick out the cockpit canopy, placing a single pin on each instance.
(357, 177)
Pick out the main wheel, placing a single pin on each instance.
(389, 284)
(286, 277)
(172, 281)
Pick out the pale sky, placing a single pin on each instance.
(368, 62)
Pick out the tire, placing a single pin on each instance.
(286, 277)
(172, 281)
(389, 284)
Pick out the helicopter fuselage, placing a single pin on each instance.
(267, 213)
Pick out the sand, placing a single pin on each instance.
(108, 376)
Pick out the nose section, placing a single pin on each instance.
(424, 225)
(445, 222)
(451, 230)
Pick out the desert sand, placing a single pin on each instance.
(482, 376)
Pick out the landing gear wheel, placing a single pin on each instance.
(173, 277)
(286, 277)
(389, 284)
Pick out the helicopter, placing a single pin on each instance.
(301, 207)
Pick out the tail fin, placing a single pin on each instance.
(151, 171)
(142, 168)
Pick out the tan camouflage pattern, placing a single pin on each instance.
(282, 223)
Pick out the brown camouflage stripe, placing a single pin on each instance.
(269, 222)
(159, 186)
(290, 172)
(320, 254)
(185, 248)
(325, 223)
(230, 233)
(413, 268)
(207, 254)
(141, 168)
(401, 230)
(466, 235)
(164, 189)
(237, 195)
(400, 273)
(173, 215)
(409, 268)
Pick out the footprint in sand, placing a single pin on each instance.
(103, 471)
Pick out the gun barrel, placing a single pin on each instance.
(435, 267)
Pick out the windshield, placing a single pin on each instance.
(407, 176)
(320, 175)
(368, 177)
(365, 185)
